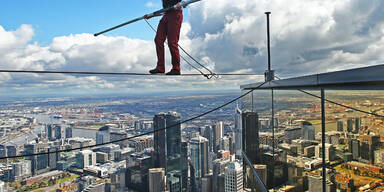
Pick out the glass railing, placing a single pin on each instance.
(353, 140)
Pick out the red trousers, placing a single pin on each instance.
(169, 27)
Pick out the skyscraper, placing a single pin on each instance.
(85, 158)
(218, 133)
(368, 145)
(68, 132)
(11, 150)
(39, 163)
(218, 173)
(340, 125)
(184, 164)
(167, 143)
(58, 130)
(349, 124)
(224, 144)
(238, 131)
(354, 148)
(234, 177)
(3, 151)
(103, 135)
(49, 131)
(20, 169)
(307, 131)
(156, 179)
(250, 180)
(199, 158)
(53, 132)
(207, 133)
(250, 136)
(114, 136)
(357, 125)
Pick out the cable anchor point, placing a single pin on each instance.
(269, 75)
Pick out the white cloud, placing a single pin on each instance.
(303, 33)
(306, 37)
(150, 4)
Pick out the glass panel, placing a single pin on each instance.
(293, 164)
(197, 155)
(356, 137)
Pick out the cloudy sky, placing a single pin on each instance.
(307, 36)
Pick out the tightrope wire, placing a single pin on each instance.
(122, 74)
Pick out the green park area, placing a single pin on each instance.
(360, 178)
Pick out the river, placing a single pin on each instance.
(42, 119)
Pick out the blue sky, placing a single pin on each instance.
(52, 18)
(307, 37)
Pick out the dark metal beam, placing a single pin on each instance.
(366, 78)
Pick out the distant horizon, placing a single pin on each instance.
(116, 94)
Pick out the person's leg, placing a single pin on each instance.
(161, 35)
(175, 19)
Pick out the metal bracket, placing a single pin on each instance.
(269, 75)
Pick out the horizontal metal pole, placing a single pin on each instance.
(182, 4)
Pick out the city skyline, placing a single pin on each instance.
(297, 114)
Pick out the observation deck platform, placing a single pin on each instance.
(365, 78)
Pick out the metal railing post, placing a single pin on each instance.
(254, 173)
(323, 140)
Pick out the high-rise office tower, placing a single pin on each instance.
(58, 132)
(199, 158)
(340, 125)
(20, 170)
(68, 132)
(184, 164)
(121, 135)
(238, 131)
(354, 148)
(103, 135)
(250, 180)
(250, 136)
(349, 124)
(193, 184)
(218, 133)
(218, 173)
(307, 131)
(207, 133)
(49, 130)
(315, 184)
(53, 132)
(3, 151)
(206, 183)
(224, 144)
(85, 158)
(330, 152)
(234, 177)
(11, 150)
(53, 157)
(157, 179)
(39, 163)
(167, 144)
(231, 140)
(357, 125)
(368, 145)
